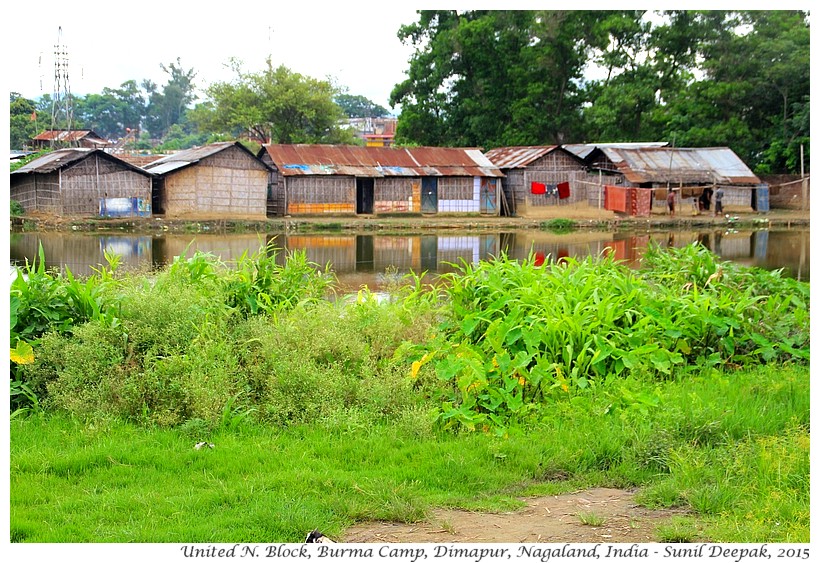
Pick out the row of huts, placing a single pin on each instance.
(227, 180)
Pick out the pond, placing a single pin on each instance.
(365, 259)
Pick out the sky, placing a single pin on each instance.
(107, 43)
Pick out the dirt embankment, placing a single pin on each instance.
(598, 515)
(583, 216)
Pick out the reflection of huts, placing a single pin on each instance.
(348, 180)
(82, 182)
(79, 138)
(532, 176)
(221, 180)
(689, 170)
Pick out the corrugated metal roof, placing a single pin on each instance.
(65, 135)
(186, 157)
(691, 165)
(351, 160)
(64, 157)
(584, 149)
(517, 157)
(54, 161)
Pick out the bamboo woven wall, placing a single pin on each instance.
(397, 195)
(552, 168)
(37, 192)
(316, 195)
(77, 189)
(229, 183)
(93, 179)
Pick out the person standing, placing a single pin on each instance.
(670, 202)
(718, 201)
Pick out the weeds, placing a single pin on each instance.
(590, 519)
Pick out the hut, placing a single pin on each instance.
(693, 172)
(220, 180)
(538, 176)
(354, 180)
(78, 138)
(82, 182)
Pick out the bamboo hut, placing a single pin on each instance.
(82, 182)
(220, 180)
(355, 180)
(533, 175)
(694, 173)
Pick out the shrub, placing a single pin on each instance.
(16, 209)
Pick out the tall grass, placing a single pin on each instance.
(520, 335)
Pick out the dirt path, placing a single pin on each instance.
(545, 519)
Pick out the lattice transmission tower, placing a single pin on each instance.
(62, 109)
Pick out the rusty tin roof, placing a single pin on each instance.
(691, 165)
(521, 157)
(352, 160)
(67, 136)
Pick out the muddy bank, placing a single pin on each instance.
(582, 218)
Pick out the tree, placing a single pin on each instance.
(754, 94)
(23, 121)
(359, 106)
(168, 107)
(275, 105)
(113, 112)
(489, 78)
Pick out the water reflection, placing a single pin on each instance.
(363, 259)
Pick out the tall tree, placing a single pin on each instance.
(113, 112)
(489, 78)
(359, 106)
(167, 107)
(22, 121)
(275, 105)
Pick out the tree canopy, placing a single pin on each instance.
(275, 105)
(490, 78)
(693, 78)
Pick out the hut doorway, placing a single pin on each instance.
(364, 195)
(429, 195)
(157, 195)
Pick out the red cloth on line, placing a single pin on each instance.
(563, 190)
(539, 188)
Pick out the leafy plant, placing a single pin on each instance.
(16, 208)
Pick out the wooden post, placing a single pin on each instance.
(600, 187)
(804, 188)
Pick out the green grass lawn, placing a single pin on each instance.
(734, 449)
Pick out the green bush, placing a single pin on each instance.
(559, 225)
(16, 208)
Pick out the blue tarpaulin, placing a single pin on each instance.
(125, 207)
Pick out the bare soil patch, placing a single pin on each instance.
(552, 519)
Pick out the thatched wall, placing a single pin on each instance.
(317, 195)
(397, 195)
(37, 192)
(551, 169)
(77, 189)
(229, 183)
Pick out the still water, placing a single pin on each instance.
(365, 259)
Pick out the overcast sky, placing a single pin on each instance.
(107, 43)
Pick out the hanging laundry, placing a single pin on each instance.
(552, 190)
(563, 190)
(538, 188)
